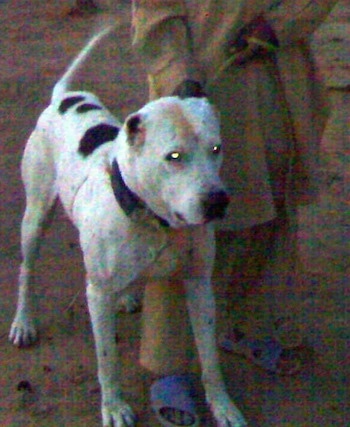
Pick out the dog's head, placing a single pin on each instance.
(169, 154)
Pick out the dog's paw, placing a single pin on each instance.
(118, 414)
(128, 304)
(22, 332)
(225, 411)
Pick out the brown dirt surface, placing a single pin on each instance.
(54, 383)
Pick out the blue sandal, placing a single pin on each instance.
(265, 353)
(172, 401)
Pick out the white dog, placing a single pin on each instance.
(143, 196)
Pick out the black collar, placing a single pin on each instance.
(128, 200)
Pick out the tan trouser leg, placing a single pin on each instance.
(235, 275)
(258, 285)
(280, 273)
(167, 345)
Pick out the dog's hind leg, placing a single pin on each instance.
(39, 180)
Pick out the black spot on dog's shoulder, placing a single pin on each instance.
(96, 136)
(67, 103)
(84, 108)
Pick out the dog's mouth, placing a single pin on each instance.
(181, 221)
(180, 218)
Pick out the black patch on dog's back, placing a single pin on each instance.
(96, 136)
(67, 103)
(84, 108)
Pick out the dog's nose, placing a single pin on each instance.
(215, 204)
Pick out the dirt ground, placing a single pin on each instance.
(36, 43)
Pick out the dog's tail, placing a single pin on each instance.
(63, 84)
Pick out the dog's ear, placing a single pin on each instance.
(135, 129)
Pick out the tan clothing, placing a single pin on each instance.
(272, 118)
(265, 105)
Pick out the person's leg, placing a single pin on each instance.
(241, 259)
(167, 350)
(167, 345)
(230, 276)
(260, 261)
(261, 295)
(280, 276)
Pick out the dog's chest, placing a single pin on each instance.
(172, 257)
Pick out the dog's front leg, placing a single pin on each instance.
(201, 306)
(115, 411)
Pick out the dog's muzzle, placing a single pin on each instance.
(215, 205)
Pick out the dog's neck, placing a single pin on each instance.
(127, 199)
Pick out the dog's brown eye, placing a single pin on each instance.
(216, 149)
(174, 156)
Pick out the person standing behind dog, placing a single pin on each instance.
(253, 61)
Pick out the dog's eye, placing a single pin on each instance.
(174, 156)
(216, 149)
